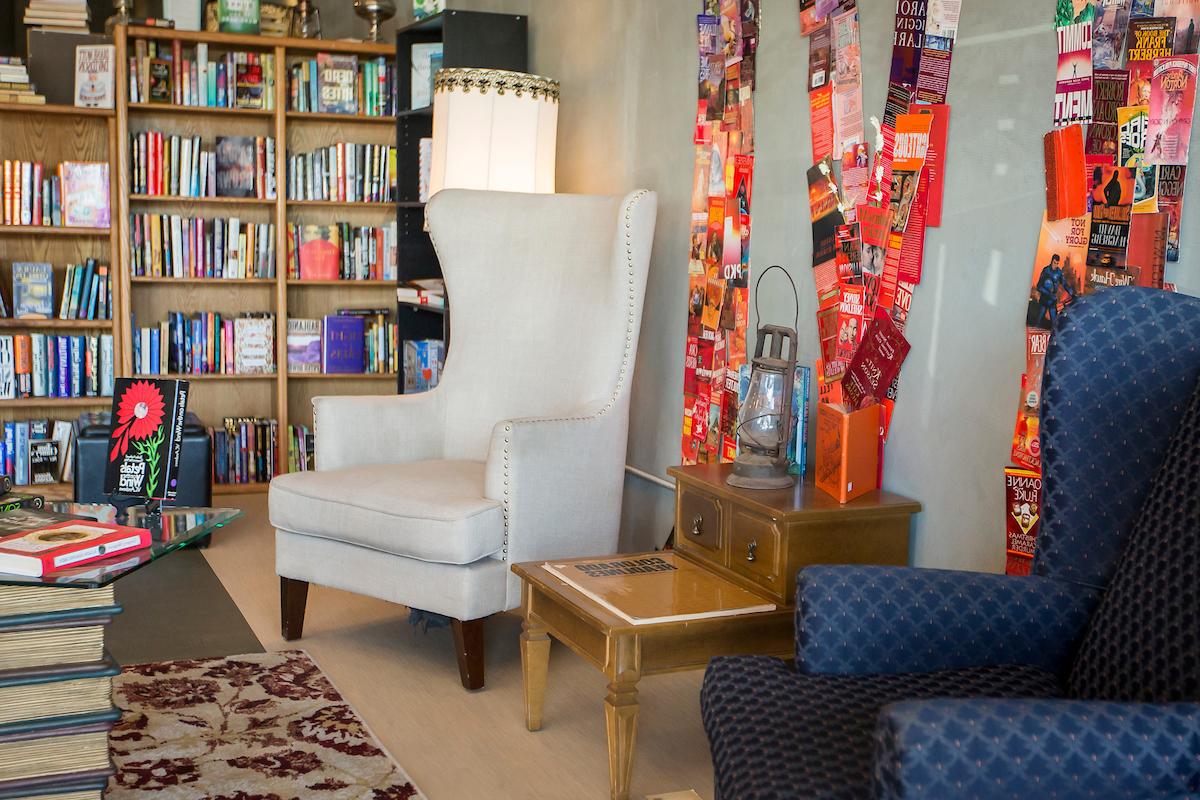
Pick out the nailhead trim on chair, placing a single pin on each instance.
(616, 393)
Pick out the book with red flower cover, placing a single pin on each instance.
(66, 544)
(147, 429)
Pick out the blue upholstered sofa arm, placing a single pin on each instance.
(988, 748)
(858, 620)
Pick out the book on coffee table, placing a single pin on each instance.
(657, 587)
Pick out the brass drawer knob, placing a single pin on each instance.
(751, 547)
(697, 525)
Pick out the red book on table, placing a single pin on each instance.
(39, 551)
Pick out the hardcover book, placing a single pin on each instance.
(43, 461)
(304, 345)
(147, 431)
(94, 65)
(160, 81)
(66, 544)
(336, 82)
(85, 195)
(254, 345)
(876, 362)
(33, 290)
(320, 252)
(238, 16)
(248, 87)
(342, 344)
(236, 157)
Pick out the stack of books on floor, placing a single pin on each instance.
(56, 706)
(14, 83)
(71, 15)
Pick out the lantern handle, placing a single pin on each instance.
(795, 294)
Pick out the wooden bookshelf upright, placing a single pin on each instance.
(286, 398)
(53, 134)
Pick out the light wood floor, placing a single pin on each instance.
(458, 745)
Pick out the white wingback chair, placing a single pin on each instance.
(518, 454)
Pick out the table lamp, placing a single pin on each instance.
(493, 129)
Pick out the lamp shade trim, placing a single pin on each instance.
(485, 80)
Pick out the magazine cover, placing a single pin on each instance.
(147, 431)
(1058, 269)
(85, 194)
(1073, 86)
(1170, 200)
(1148, 38)
(1110, 90)
(1172, 104)
(1112, 205)
(1023, 507)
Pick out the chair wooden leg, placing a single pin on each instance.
(468, 646)
(293, 595)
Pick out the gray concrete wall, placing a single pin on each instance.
(628, 72)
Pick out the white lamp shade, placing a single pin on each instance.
(493, 129)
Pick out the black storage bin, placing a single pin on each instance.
(194, 479)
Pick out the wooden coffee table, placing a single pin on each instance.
(626, 652)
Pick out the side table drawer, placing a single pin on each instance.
(699, 520)
(755, 548)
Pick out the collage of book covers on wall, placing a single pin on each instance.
(1116, 157)
(870, 202)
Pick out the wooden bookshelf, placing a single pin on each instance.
(52, 134)
(287, 398)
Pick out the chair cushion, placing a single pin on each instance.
(431, 510)
(776, 733)
(1143, 642)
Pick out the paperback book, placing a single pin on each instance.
(147, 432)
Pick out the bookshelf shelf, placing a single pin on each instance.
(55, 402)
(216, 201)
(56, 324)
(340, 204)
(317, 116)
(240, 488)
(49, 109)
(214, 376)
(155, 280)
(411, 204)
(341, 376)
(171, 108)
(235, 41)
(344, 284)
(53, 230)
(423, 111)
(423, 307)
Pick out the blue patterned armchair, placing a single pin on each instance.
(1080, 681)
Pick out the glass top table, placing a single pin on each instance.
(171, 529)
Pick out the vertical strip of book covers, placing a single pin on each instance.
(719, 256)
(1115, 157)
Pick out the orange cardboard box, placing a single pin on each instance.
(847, 458)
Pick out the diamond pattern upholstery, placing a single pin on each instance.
(935, 684)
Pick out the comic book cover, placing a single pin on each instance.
(1108, 35)
(1170, 200)
(1112, 205)
(1110, 89)
(1148, 38)
(941, 29)
(1027, 448)
(1073, 85)
(1023, 512)
(1131, 135)
(851, 320)
(1058, 269)
(849, 253)
(1146, 256)
(1186, 14)
(1172, 103)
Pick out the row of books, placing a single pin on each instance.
(341, 84)
(423, 360)
(45, 365)
(15, 86)
(75, 194)
(341, 251)
(302, 445)
(55, 728)
(180, 166)
(87, 291)
(69, 14)
(244, 450)
(206, 343)
(353, 173)
(36, 452)
(168, 245)
(234, 80)
(352, 341)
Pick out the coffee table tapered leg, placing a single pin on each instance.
(535, 662)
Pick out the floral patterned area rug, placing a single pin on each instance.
(268, 726)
